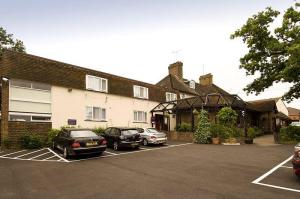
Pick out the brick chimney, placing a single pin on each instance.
(176, 69)
(206, 80)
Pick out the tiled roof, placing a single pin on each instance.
(264, 105)
(293, 111)
(33, 68)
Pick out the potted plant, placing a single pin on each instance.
(250, 136)
(215, 130)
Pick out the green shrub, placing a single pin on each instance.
(290, 133)
(51, 135)
(226, 133)
(258, 131)
(184, 127)
(216, 130)
(31, 141)
(227, 116)
(99, 131)
(7, 143)
(237, 132)
(202, 134)
(251, 133)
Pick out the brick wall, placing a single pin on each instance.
(17, 129)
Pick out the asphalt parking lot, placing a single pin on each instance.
(179, 170)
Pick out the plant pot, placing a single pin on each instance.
(216, 140)
(248, 141)
(231, 140)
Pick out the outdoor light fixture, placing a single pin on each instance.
(5, 79)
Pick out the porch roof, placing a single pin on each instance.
(211, 100)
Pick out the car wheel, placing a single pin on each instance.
(145, 142)
(65, 153)
(116, 146)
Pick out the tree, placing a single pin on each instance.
(274, 54)
(202, 133)
(8, 42)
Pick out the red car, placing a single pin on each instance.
(296, 163)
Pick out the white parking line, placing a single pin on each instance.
(39, 155)
(287, 167)
(110, 153)
(28, 153)
(118, 154)
(271, 171)
(58, 155)
(49, 157)
(258, 180)
(13, 153)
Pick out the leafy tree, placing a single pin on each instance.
(8, 42)
(202, 133)
(274, 54)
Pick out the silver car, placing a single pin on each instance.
(297, 147)
(152, 136)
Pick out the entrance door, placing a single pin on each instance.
(161, 123)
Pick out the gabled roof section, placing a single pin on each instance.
(172, 83)
(265, 105)
(293, 111)
(16, 65)
(208, 89)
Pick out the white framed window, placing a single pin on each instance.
(29, 117)
(139, 116)
(182, 96)
(96, 83)
(171, 96)
(29, 85)
(95, 113)
(140, 92)
(192, 84)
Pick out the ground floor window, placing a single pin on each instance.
(29, 117)
(95, 113)
(140, 116)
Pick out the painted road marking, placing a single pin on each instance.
(110, 153)
(28, 153)
(258, 180)
(39, 155)
(13, 153)
(61, 158)
(287, 167)
(50, 157)
(131, 152)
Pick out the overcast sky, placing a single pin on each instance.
(136, 38)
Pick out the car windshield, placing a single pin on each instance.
(84, 133)
(152, 130)
(129, 132)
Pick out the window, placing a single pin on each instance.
(29, 118)
(95, 113)
(140, 92)
(192, 84)
(30, 85)
(140, 116)
(171, 96)
(182, 96)
(96, 83)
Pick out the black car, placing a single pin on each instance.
(122, 138)
(79, 142)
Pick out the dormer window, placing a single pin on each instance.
(140, 92)
(171, 96)
(192, 84)
(96, 83)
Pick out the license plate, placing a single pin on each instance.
(91, 143)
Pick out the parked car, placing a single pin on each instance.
(79, 142)
(122, 138)
(152, 136)
(296, 160)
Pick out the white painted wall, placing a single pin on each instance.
(281, 107)
(119, 110)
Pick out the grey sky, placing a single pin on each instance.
(135, 39)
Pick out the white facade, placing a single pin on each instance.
(281, 107)
(70, 104)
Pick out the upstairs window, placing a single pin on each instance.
(171, 97)
(140, 92)
(192, 84)
(30, 85)
(96, 83)
(95, 113)
(139, 116)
